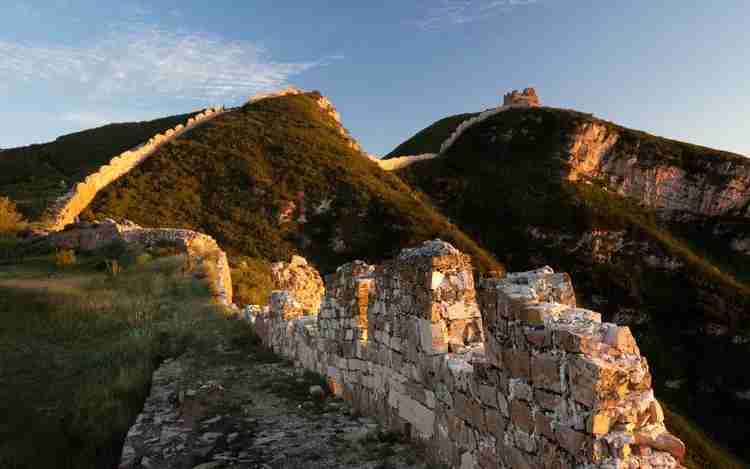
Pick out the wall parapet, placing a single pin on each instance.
(509, 375)
(66, 209)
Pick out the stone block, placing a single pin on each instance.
(495, 423)
(546, 372)
(518, 363)
(577, 444)
(521, 416)
(468, 409)
(596, 383)
(543, 424)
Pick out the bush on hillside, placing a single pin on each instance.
(10, 219)
(65, 258)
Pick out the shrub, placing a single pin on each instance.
(65, 258)
(113, 267)
(143, 259)
(10, 219)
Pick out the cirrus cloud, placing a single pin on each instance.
(142, 60)
(458, 12)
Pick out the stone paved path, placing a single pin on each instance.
(234, 409)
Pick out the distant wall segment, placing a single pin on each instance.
(66, 209)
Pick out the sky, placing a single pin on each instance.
(675, 68)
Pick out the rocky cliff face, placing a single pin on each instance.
(716, 184)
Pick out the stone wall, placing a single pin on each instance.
(526, 97)
(393, 164)
(510, 101)
(201, 249)
(530, 382)
(66, 209)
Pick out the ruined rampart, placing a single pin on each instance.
(202, 250)
(66, 209)
(509, 375)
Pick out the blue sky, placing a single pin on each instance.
(677, 68)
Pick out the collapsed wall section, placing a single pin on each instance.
(531, 381)
(66, 209)
(201, 249)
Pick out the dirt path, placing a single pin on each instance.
(234, 409)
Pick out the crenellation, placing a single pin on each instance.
(542, 384)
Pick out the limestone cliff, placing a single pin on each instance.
(673, 181)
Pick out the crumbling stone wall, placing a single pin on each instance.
(527, 97)
(301, 280)
(200, 248)
(393, 164)
(541, 384)
(65, 210)
(508, 103)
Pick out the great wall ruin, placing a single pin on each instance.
(201, 250)
(67, 208)
(514, 99)
(509, 375)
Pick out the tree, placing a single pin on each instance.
(10, 219)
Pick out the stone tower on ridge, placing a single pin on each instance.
(527, 98)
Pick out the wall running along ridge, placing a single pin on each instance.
(200, 249)
(515, 99)
(513, 375)
(66, 208)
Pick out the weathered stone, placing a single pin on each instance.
(521, 416)
(546, 371)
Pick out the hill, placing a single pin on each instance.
(547, 186)
(273, 178)
(35, 175)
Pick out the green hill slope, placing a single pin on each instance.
(428, 140)
(35, 175)
(504, 183)
(275, 178)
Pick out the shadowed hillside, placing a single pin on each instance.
(506, 183)
(273, 178)
(35, 175)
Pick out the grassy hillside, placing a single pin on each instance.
(77, 349)
(34, 175)
(503, 179)
(428, 140)
(276, 178)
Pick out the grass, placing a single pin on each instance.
(77, 349)
(505, 176)
(234, 177)
(35, 175)
(428, 140)
(702, 451)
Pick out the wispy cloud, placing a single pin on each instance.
(458, 12)
(146, 61)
